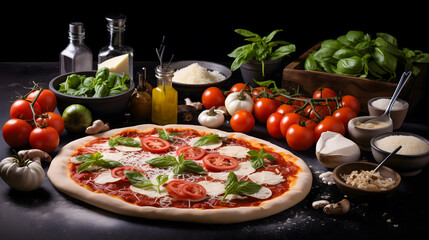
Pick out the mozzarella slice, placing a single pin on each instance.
(264, 193)
(234, 151)
(243, 169)
(151, 192)
(266, 177)
(213, 188)
(105, 177)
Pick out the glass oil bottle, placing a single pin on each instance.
(141, 101)
(164, 97)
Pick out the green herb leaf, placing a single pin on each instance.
(126, 141)
(95, 159)
(207, 139)
(166, 135)
(161, 179)
(179, 165)
(233, 186)
(163, 162)
(137, 179)
(257, 158)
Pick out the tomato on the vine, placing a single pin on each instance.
(344, 114)
(299, 138)
(259, 92)
(351, 102)
(325, 92)
(299, 103)
(21, 109)
(212, 97)
(46, 100)
(321, 110)
(287, 120)
(44, 138)
(238, 87)
(51, 119)
(273, 125)
(262, 109)
(329, 123)
(285, 108)
(16, 132)
(242, 121)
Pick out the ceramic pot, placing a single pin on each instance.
(253, 70)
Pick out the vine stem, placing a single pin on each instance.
(32, 107)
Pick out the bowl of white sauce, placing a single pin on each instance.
(398, 112)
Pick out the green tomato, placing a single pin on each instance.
(76, 118)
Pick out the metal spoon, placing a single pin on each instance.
(388, 156)
(385, 117)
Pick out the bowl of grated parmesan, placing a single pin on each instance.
(409, 161)
(192, 77)
(359, 180)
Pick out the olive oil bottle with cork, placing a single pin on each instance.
(141, 101)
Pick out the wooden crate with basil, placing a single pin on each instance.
(360, 65)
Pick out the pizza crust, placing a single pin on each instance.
(299, 188)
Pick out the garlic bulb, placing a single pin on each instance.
(333, 149)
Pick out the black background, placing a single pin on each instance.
(202, 30)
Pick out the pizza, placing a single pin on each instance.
(181, 173)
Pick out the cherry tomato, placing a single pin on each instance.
(311, 123)
(16, 132)
(259, 92)
(213, 97)
(119, 172)
(51, 119)
(44, 138)
(329, 123)
(46, 100)
(298, 103)
(299, 138)
(322, 110)
(285, 108)
(21, 109)
(238, 87)
(324, 92)
(281, 100)
(287, 120)
(183, 190)
(351, 102)
(191, 153)
(263, 108)
(273, 125)
(242, 121)
(217, 162)
(155, 144)
(344, 114)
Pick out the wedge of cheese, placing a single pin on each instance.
(119, 64)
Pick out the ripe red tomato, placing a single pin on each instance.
(329, 123)
(285, 108)
(263, 108)
(322, 110)
(242, 121)
(212, 97)
(191, 153)
(344, 114)
(182, 190)
(281, 100)
(21, 109)
(351, 102)
(259, 92)
(119, 172)
(16, 132)
(298, 103)
(326, 93)
(155, 144)
(238, 87)
(46, 100)
(299, 138)
(44, 138)
(287, 120)
(273, 125)
(217, 162)
(51, 119)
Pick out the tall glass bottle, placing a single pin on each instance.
(116, 47)
(164, 97)
(76, 56)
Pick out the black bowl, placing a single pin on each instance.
(110, 108)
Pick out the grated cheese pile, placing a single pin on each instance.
(410, 145)
(196, 74)
(368, 180)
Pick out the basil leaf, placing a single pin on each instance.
(113, 141)
(257, 158)
(137, 179)
(166, 135)
(179, 169)
(233, 186)
(161, 179)
(126, 141)
(193, 167)
(107, 163)
(84, 157)
(179, 165)
(85, 165)
(163, 162)
(207, 139)
(95, 159)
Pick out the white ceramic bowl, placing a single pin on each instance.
(397, 115)
(362, 136)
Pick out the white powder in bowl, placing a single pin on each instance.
(196, 74)
(410, 145)
(382, 103)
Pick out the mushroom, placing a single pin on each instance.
(196, 105)
(319, 204)
(340, 207)
(35, 155)
(97, 127)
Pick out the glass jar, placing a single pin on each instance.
(117, 48)
(141, 101)
(164, 97)
(76, 56)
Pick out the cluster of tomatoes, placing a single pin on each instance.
(33, 121)
(299, 120)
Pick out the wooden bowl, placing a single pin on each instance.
(361, 194)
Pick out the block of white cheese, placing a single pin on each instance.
(119, 64)
(332, 149)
